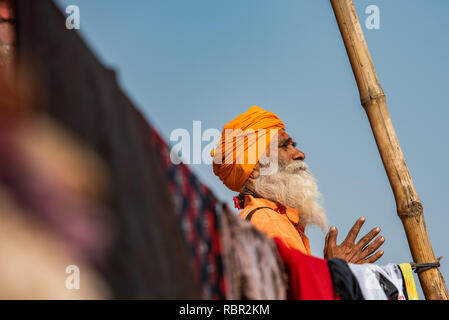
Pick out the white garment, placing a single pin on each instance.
(395, 276)
(368, 278)
(368, 282)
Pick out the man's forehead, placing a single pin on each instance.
(283, 135)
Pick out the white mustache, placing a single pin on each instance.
(294, 167)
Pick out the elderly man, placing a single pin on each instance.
(257, 158)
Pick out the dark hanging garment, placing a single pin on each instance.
(344, 281)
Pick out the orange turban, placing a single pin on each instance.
(243, 142)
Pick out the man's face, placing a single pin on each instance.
(291, 183)
(287, 151)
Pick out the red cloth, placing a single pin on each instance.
(309, 277)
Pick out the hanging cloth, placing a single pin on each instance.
(252, 266)
(395, 276)
(309, 277)
(368, 282)
(378, 282)
(344, 281)
(409, 281)
(196, 207)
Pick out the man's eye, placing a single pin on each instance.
(294, 144)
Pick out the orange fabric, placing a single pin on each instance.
(277, 225)
(243, 142)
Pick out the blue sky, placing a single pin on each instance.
(182, 61)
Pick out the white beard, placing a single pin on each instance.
(294, 187)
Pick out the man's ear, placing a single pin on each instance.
(248, 187)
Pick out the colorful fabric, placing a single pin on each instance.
(253, 268)
(368, 282)
(378, 282)
(309, 277)
(242, 143)
(390, 290)
(395, 276)
(276, 224)
(344, 281)
(410, 286)
(196, 208)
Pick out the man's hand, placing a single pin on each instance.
(349, 251)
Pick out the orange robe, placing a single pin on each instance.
(274, 224)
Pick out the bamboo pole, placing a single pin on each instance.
(372, 97)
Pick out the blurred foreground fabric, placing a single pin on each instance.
(50, 214)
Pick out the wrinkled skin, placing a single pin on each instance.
(360, 252)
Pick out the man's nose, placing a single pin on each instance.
(299, 155)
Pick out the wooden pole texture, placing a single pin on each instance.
(372, 97)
